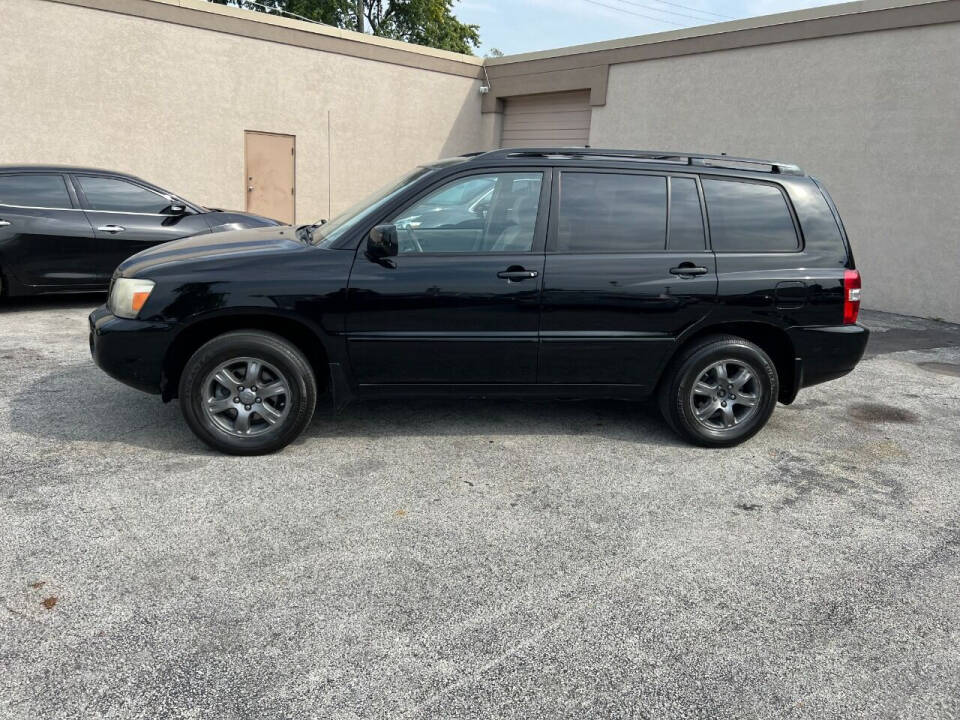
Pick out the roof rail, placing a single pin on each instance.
(657, 156)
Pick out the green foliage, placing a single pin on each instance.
(424, 22)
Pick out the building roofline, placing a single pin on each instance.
(583, 66)
(586, 67)
(287, 31)
(858, 7)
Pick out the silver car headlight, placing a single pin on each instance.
(128, 296)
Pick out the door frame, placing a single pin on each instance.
(351, 335)
(246, 167)
(666, 342)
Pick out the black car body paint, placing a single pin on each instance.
(56, 238)
(582, 323)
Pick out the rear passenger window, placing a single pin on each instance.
(608, 212)
(748, 217)
(34, 190)
(686, 218)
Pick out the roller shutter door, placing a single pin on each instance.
(550, 119)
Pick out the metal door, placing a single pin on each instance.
(271, 175)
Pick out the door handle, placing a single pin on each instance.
(4, 223)
(688, 270)
(517, 274)
(112, 229)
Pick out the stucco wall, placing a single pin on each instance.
(873, 114)
(876, 116)
(170, 103)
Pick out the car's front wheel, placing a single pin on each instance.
(720, 392)
(248, 392)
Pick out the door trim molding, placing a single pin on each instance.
(457, 336)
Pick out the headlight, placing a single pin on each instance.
(128, 296)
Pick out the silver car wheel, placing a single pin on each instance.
(725, 395)
(246, 397)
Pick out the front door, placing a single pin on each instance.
(459, 305)
(270, 174)
(621, 283)
(128, 217)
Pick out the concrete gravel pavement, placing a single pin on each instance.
(479, 559)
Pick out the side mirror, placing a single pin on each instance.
(176, 207)
(382, 242)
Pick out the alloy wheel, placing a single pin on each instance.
(246, 397)
(725, 394)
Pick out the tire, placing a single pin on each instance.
(217, 391)
(706, 400)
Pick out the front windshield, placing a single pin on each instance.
(327, 234)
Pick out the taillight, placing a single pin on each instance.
(851, 296)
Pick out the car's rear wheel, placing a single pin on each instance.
(720, 391)
(248, 392)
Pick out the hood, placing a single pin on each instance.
(214, 246)
(252, 219)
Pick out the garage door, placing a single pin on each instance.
(546, 120)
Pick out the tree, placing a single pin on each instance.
(424, 22)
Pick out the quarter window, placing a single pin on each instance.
(610, 212)
(121, 196)
(479, 213)
(748, 217)
(34, 190)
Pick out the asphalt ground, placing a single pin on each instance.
(479, 559)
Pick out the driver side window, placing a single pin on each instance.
(479, 213)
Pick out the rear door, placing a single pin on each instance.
(45, 238)
(459, 305)
(623, 276)
(128, 217)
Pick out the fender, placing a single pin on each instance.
(323, 347)
(772, 337)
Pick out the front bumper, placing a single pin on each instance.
(826, 353)
(131, 351)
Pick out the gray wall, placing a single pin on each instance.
(170, 103)
(876, 116)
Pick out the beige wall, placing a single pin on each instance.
(170, 103)
(876, 116)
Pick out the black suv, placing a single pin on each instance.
(719, 284)
(65, 229)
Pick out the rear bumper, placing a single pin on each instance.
(130, 351)
(826, 353)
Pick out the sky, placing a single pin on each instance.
(517, 26)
